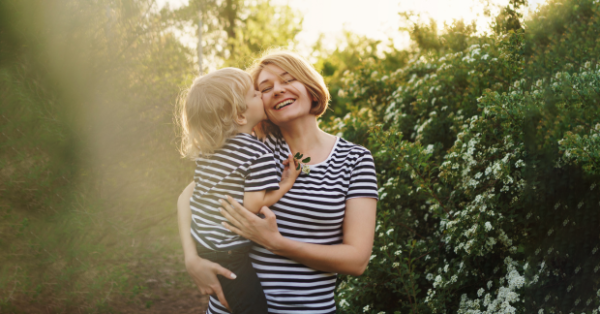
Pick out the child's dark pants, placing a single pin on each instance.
(244, 293)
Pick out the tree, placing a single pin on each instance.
(353, 54)
(237, 31)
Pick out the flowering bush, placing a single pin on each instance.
(488, 162)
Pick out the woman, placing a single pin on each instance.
(324, 225)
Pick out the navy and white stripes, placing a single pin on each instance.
(243, 164)
(312, 211)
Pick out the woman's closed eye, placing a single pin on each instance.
(285, 81)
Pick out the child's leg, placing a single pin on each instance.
(244, 294)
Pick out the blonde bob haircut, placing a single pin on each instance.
(209, 109)
(301, 70)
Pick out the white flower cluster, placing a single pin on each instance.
(488, 226)
(505, 298)
(344, 303)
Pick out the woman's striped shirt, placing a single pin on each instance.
(313, 212)
(243, 164)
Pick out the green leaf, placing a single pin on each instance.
(306, 160)
(297, 156)
(298, 167)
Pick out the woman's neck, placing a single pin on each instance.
(304, 136)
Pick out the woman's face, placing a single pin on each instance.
(285, 99)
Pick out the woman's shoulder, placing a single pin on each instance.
(352, 149)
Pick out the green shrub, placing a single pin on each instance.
(488, 171)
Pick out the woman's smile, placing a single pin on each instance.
(284, 103)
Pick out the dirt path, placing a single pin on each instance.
(176, 302)
(183, 301)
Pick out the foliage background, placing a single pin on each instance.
(487, 148)
(487, 154)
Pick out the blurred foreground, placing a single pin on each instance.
(89, 167)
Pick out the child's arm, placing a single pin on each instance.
(254, 201)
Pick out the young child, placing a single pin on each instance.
(218, 116)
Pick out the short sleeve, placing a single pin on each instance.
(262, 174)
(363, 180)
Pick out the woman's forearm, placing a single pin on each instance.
(352, 256)
(340, 258)
(184, 219)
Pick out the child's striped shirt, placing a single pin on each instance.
(243, 164)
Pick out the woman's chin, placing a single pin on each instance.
(284, 120)
(281, 121)
(280, 115)
(288, 114)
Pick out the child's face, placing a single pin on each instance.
(255, 111)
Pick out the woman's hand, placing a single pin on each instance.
(248, 225)
(204, 273)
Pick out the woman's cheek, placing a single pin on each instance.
(265, 100)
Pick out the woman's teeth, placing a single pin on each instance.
(284, 103)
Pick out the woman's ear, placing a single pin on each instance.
(315, 101)
(241, 119)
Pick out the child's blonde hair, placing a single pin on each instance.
(209, 108)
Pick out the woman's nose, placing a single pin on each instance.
(278, 89)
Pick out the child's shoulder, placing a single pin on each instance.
(251, 143)
(274, 140)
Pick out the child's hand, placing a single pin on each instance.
(290, 174)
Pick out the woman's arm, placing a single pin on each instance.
(184, 219)
(203, 272)
(351, 257)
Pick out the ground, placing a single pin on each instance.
(184, 302)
